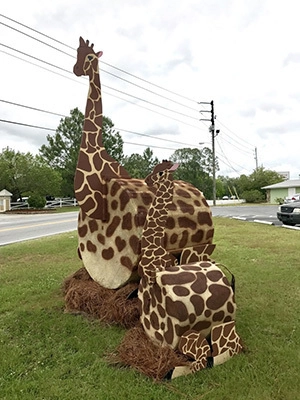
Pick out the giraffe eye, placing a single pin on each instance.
(90, 58)
(160, 173)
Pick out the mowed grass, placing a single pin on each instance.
(48, 354)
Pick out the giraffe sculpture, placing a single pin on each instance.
(183, 306)
(94, 166)
(113, 206)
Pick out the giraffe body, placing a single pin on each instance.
(177, 298)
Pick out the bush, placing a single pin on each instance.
(36, 201)
(253, 196)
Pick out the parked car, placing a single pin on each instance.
(289, 214)
(295, 197)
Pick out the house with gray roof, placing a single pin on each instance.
(282, 189)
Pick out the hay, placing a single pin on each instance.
(113, 306)
(139, 352)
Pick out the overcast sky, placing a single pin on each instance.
(242, 54)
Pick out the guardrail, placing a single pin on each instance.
(57, 203)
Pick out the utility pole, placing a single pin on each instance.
(213, 135)
(255, 157)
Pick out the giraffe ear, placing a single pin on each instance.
(174, 167)
(99, 54)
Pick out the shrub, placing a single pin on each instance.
(253, 196)
(36, 201)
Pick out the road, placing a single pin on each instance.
(265, 214)
(19, 227)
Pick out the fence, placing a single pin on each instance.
(57, 203)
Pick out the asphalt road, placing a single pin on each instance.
(265, 214)
(19, 227)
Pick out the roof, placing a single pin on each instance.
(5, 193)
(290, 183)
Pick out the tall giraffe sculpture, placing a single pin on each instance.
(182, 305)
(113, 206)
(94, 166)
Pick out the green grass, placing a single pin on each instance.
(48, 354)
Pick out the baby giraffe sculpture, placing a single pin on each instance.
(183, 306)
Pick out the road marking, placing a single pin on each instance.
(35, 225)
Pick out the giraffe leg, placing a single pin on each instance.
(195, 346)
(225, 342)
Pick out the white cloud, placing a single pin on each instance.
(243, 55)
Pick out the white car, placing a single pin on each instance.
(294, 197)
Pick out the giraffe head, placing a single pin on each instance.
(87, 59)
(161, 172)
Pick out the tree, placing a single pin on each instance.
(25, 174)
(139, 166)
(252, 184)
(195, 167)
(63, 147)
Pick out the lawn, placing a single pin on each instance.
(48, 354)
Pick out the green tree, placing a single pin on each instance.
(195, 167)
(259, 178)
(63, 147)
(139, 166)
(26, 174)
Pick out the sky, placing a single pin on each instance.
(163, 63)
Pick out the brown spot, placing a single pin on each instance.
(126, 261)
(170, 223)
(114, 204)
(184, 239)
(214, 276)
(198, 236)
(219, 316)
(169, 334)
(175, 279)
(81, 248)
(204, 218)
(185, 222)
(146, 198)
(230, 307)
(202, 325)
(147, 323)
(182, 193)
(198, 304)
(159, 337)
(135, 244)
(93, 225)
(181, 291)
(108, 254)
(120, 243)
(161, 311)
(82, 230)
(113, 226)
(114, 189)
(124, 199)
(154, 320)
(185, 207)
(173, 238)
(127, 221)
(157, 292)
(176, 309)
(220, 294)
(101, 238)
(207, 313)
(192, 318)
(197, 203)
(91, 247)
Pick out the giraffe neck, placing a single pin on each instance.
(154, 255)
(93, 113)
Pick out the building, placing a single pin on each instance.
(5, 197)
(282, 189)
